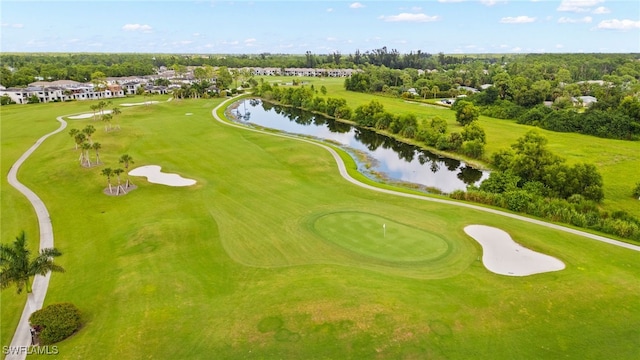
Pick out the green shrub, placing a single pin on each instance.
(636, 191)
(55, 322)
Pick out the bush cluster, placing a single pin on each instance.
(575, 211)
(55, 322)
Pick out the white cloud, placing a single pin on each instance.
(137, 27)
(250, 41)
(408, 17)
(601, 10)
(356, 5)
(516, 49)
(559, 46)
(517, 20)
(450, 1)
(615, 24)
(566, 20)
(491, 2)
(577, 5)
(15, 26)
(330, 10)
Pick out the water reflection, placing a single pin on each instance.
(394, 160)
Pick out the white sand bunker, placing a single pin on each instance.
(504, 256)
(140, 103)
(88, 115)
(154, 175)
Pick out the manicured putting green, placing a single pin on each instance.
(380, 238)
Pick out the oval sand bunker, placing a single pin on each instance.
(504, 256)
(154, 175)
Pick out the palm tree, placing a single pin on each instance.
(94, 108)
(107, 119)
(117, 172)
(73, 133)
(80, 138)
(125, 159)
(89, 130)
(178, 93)
(97, 146)
(85, 153)
(435, 89)
(17, 268)
(108, 173)
(115, 112)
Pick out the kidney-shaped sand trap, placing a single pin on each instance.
(154, 175)
(504, 256)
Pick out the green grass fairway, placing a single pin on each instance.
(273, 255)
(379, 238)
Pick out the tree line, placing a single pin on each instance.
(469, 70)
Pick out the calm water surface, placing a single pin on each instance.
(391, 159)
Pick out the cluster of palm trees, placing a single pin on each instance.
(108, 172)
(84, 142)
(105, 116)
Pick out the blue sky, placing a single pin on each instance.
(250, 27)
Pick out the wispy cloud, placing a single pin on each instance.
(137, 27)
(601, 10)
(578, 5)
(330, 10)
(451, 1)
(15, 26)
(356, 5)
(615, 24)
(408, 17)
(517, 19)
(566, 20)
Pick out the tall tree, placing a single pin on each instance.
(117, 173)
(73, 133)
(115, 112)
(85, 154)
(18, 268)
(108, 173)
(96, 146)
(88, 131)
(80, 139)
(126, 160)
(466, 112)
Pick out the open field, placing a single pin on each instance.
(273, 255)
(617, 160)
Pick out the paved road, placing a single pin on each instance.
(22, 336)
(345, 174)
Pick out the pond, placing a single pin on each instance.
(378, 157)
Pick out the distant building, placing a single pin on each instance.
(585, 101)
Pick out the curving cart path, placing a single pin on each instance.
(22, 336)
(343, 171)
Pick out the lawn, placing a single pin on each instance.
(273, 255)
